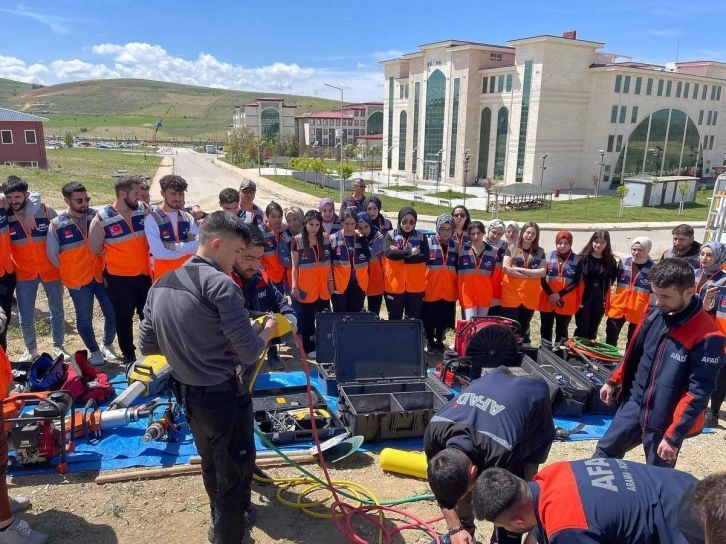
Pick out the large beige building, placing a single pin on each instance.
(266, 117)
(560, 98)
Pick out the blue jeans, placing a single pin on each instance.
(27, 293)
(83, 303)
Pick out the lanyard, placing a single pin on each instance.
(635, 279)
(350, 250)
(477, 262)
(528, 259)
(561, 268)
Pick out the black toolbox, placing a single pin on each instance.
(382, 379)
(568, 393)
(283, 416)
(597, 374)
(324, 345)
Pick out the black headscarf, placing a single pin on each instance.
(365, 216)
(406, 210)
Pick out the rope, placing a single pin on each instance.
(596, 349)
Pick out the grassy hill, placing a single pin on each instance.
(115, 108)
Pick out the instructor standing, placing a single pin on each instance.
(210, 356)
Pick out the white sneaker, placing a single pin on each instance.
(312, 355)
(96, 359)
(29, 356)
(109, 354)
(19, 532)
(19, 503)
(57, 352)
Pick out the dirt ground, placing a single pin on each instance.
(74, 509)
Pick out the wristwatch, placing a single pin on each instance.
(457, 530)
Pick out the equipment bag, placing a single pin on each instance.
(47, 374)
(84, 382)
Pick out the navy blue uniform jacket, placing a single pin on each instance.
(499, 420)
(608, 501)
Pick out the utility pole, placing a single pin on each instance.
(467, 158)
(599, 179)
(543, 158)
(389, 162)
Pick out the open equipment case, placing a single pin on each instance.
(384, 388)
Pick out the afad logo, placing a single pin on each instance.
(550, 268)
(723, 303)
(337, 251)
(68, 233)
(432, 255)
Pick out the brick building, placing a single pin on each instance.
(22, 141)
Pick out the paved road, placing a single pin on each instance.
(206, 179)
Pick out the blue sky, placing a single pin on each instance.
(295, 47)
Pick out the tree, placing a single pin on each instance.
(68, 139)
(683, 190)
(317, 166)
(345, 172)
(496, 186)
(622, 193)
(571, 185)
(595, 179)
(242, 146)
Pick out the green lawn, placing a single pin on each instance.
(92, 167)
(402, 188)
(449, 194)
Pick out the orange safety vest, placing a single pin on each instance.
(6, 374)
(28, 247)
(441, 280)
(376, 281)
(343, 257)
(518, 291)
(498, 274)
(167, 234)
(399, 276)
(475, 275)
(271, 258)
(560, 275)
(126, 249)
(313, 271)
(78, 265)
(632, 293)
(6, 262)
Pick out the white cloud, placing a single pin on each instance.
(665, 32)
(56, 23)
(387, 55)
(361, 65)
(150, 61)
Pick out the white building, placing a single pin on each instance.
(266, 117)
(357, 122)
(556, 96)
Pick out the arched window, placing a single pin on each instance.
(500, 152)
(375, 123)
(402, 141)
(484, 130)
(270, 123)
(434, 124)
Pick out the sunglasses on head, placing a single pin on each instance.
(82, 200)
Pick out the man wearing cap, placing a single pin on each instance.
(356, 199)
(632, 292)
(248, 210)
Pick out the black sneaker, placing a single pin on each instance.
(250, 519)
(439, 346)
(711, 420)
(274, 362)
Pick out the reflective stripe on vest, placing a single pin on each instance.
(475, 275)
(441, 280)
(271, 258)
(78, 265)
(28, 247)
(6, 262)
(313, 270)
(632, 294)
(167, 234)
(720, 317)
(126, 251)
(376, 282)
(401, 277)
(516, 291)
(692, 259)
(561, 274)
(341, 258)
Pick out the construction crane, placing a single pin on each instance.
(157, 126)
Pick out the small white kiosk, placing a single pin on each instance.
(659, 191)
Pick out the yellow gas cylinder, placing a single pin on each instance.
(403, 462)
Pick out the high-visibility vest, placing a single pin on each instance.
(401, 277)
(561, 274)
(313, 270)
(517, 291)
(271, 259)
(78, 265)
(6, 262)
(28, 247)
(475, 275)
(166, 234)
(632, 292)
(441, 280)
(343, 258)
(335, 226)
(6, 374)
(255, 217)
(692, 259)
(498, 274)
(376, 281)
(126, 251)
(720, 317)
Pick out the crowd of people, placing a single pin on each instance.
(299, 263)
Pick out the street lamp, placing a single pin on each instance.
(259, 164)
(415, 159)
(342, 185)
(543, 158)
(467, 158)
(440, 153)
(389, 161)
(599, 179)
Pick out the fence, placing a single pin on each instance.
(321, 179)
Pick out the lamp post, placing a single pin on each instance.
(342, 185)
(599, 179)
(389, 162)
(543, 158)
(467, 158)
(259, 164)
(440, 153)
(415, 159)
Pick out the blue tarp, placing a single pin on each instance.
(124, 447)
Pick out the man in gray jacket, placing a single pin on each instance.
(195, 316)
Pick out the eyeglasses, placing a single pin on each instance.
(408, 222)
(459, 215)
(82, 200)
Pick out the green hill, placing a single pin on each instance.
(119, 108)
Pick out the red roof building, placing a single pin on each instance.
(22, 141)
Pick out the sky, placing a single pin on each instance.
(295, 47)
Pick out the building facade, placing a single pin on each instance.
(357, 122)
(266, 117)
(557, 102)
(22, 141)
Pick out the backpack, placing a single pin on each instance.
(90, 384)
(46, 374)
